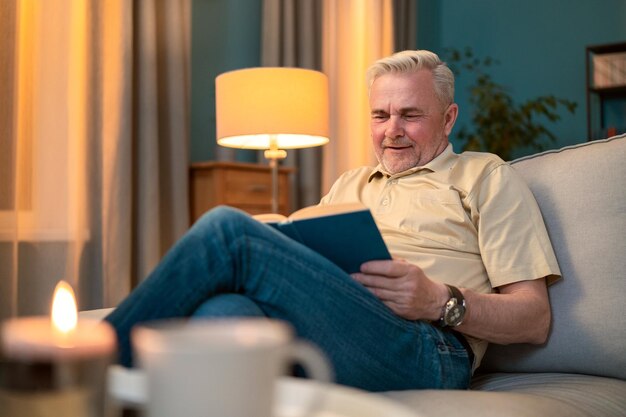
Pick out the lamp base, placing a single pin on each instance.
(274, 168)
(274, 154)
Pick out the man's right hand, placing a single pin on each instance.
(404, 288)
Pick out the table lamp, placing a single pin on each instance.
(272, 109)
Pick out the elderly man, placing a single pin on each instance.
(471, 255)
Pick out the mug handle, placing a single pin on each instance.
(317, 367)
(314, 362)
(127, 386)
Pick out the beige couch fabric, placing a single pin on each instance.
(581, 191)
(581, 370)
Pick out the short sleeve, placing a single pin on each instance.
(512, 236)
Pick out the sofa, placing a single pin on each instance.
(581, 370)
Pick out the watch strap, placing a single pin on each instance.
(456, 293)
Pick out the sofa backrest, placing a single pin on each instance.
(581, 191)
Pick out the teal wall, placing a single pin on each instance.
(540, 45)
(226, 35)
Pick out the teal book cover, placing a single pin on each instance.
(347, 235)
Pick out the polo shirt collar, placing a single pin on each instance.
(443, 161)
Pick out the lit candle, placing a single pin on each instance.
(55, 365)
(61, 337)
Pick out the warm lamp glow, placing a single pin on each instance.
(272, 109)
(64, 311)
(256, 106)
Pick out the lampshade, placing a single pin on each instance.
(257, 105)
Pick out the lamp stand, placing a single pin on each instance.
(273, 154)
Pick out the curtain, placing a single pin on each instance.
(405, 24)
(355, 34)
(341, 38)
(93, 146)
(291, 37)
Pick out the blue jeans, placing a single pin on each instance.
(227, 252)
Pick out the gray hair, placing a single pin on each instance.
(413, 61)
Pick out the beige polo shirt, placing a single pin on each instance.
(465, 219)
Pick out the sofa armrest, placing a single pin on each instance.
(580, 191)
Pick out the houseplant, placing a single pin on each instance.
(499, 124)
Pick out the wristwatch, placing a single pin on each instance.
(454, 310)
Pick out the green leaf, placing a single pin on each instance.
(498, 124)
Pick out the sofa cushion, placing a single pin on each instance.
(589, 395)
(523, 395)
(581, 191)
(451, 403)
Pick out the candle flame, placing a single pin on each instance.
(64, 313)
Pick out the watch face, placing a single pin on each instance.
(454, 313)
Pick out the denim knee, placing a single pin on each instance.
(223, 218)
(222, 214)
(228, 305)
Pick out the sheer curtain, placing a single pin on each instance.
(341, 38)
(93, 146)
(292, 38)
(355, 34)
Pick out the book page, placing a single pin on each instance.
(269, 218)
(326, 210)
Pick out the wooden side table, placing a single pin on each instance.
(243, 185)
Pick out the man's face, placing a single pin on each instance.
(409, 124)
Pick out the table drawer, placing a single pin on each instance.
(241, 185)
(249, 187)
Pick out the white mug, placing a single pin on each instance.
(225, 368)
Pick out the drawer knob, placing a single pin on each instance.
(258, 188)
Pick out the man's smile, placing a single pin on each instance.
(397, 148)
(396, 145)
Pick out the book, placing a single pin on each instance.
(345, 234)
